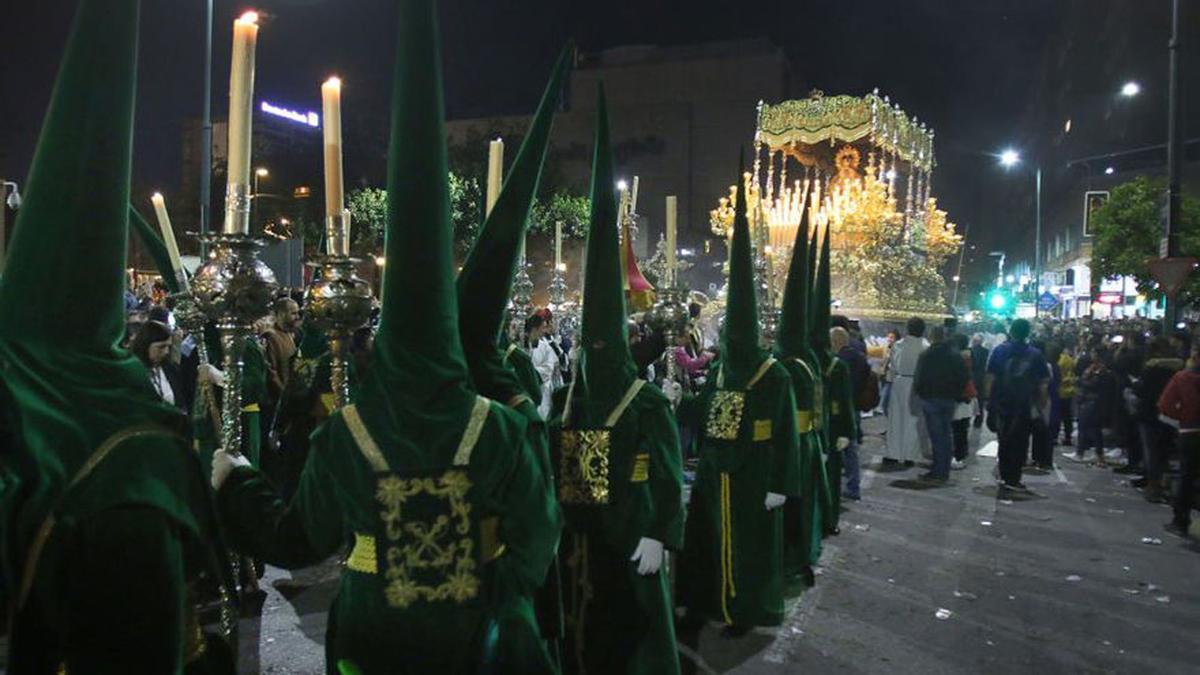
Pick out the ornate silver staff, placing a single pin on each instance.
(670, 313)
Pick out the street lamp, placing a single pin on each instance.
(1108, 171)
(1131, 89)
(1008, 159)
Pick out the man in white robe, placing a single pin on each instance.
(905, 437)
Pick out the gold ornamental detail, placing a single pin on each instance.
(583, 467)
(725, 415)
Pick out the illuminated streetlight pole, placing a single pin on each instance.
(1008, 159)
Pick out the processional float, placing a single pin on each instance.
(863, 169)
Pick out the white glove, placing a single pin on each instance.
(210, 374)
(843, 443)
(648, 555)
(223, 464)
(674, 392)
(774, 500)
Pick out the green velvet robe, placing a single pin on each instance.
(619, 621)
(527, 375)
(802, 517)
(110, 546)
(842, 420)
(732, 566)
(339, 500)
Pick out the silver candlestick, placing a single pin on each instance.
(339, 303)
(233, 290)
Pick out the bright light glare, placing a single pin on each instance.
(622, 185)
(249, 17)
(1131, 89)
(261, 172)
(891, 174)
(997, 301)
(1010, 278)
(955, 279)
(1009, 157)
(1109, 171)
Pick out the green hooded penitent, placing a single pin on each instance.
(453, 523)
(500, 370)
(99, 462)
(616, 456)
(732, 565)
(841, 414)
(802, 517)
(485, 282)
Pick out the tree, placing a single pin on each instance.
(1127, 231)
(368, 215)
(572, 210)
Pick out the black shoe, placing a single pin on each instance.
(1127, 470)
(908, 464)
(928, 477)
(1177, 529)
(1015, 487)
(888, 461)
(1037, 471)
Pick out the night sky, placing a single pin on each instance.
(982, 73)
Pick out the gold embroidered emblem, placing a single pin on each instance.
(641, 469)
(427, 559)
(725, 415)
(762, 430)
(583, 467)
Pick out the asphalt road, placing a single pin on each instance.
(944, 580)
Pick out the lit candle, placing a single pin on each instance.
(241, 103)
(495, 175)
(633, 198)
(558, 244)
(337, 221)
(168, 235)
(672, 207)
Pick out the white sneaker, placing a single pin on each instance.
(957, 464)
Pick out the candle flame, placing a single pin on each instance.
(156, 197)
(249, 17)
(335, 82)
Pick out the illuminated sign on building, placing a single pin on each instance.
(309, 118)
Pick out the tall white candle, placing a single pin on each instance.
(331, 110)
(558, 244)
(168, 235)
(672, 213)
(633, 198)
(241, 104)
(495, 176)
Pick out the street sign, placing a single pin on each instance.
(1171, 273)
(1047, 301)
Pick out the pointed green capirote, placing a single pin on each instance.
(813, 249)
(418, 370)
(485, 282)
(66, 278)
(823, 300)
(69, 385)
(155, 247)
(606, 366)
(791, 337)
(741, 353)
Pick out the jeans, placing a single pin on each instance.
(939, 416)
(1156, 442)
(1091, 432)
(962, 430)
(1043, 444)
(1189, 470)
(885, 396)
(1065, 421)
(851, 469)
(1014, 433)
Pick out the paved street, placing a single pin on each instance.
(947, 580)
